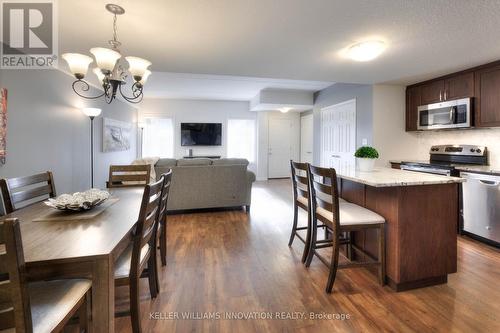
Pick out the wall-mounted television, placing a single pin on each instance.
(201, 134)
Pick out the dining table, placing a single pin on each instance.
(81, 248)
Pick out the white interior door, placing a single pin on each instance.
(338, 135)
(306, 139)
(280, 147)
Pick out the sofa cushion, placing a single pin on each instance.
(194, 161)
(166, 162)
(230, 161)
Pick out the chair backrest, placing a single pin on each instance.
(323, 187)
(162, 212)
(17, 192)
(14, 298)
(300, 181)
(128, 175)
(145, 232)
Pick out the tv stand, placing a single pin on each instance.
(214, 157)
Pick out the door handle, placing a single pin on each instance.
(445, 93)
(335, 156)
(440, 95)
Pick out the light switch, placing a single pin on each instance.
(364, 142)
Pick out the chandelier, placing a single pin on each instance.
(111, 68)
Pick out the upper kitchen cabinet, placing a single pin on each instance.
(432, 92)
(487, 94)
(413, 101)
(459, 86)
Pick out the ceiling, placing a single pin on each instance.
(288, 39)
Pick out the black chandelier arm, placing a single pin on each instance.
(136, 92)
(85, 87)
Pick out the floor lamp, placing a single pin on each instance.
(91, 113)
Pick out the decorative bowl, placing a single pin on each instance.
(78, 201)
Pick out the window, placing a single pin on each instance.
(158, 138)
(241, 139)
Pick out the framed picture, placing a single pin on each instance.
(116, 135)
(3, 125)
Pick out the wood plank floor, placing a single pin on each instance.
(231, 262)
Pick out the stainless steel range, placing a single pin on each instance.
(447, 159)
(480, 195)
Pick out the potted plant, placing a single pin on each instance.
(366, 157)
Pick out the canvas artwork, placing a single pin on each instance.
(3, 125)
(116, 135)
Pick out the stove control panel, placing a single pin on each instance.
(464, 150)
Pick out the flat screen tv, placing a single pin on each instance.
(201, 134)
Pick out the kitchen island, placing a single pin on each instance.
(421, 212)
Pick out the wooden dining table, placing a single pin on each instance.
(86, 248)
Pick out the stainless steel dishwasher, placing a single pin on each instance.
(481, 206)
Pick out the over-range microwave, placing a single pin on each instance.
(450, 114)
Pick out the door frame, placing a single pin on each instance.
(352, 100)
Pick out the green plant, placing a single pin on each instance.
(366, 152)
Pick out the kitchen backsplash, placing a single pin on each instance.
(482, 137)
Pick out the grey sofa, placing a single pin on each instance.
(206, 183)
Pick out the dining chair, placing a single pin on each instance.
(139, 259)
(36, 306)
(128, 175)
(162, 217)
(22, 191)
(339, 219)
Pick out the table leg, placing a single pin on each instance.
(103, 295)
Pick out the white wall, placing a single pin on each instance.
(185, 111)
(389, 136)
(48, 131)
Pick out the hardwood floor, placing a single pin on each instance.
(231, 262)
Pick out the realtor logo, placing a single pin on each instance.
(29, 34)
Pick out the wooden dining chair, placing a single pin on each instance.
(139, 259)
(340, 219)
(21, 191)
(300, 185)
(128, 175)
(162, 217)
(37, 306)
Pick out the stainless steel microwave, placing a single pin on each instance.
(443, 115)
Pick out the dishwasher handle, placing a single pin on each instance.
(489, 182)
(484, 179)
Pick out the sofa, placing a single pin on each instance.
(207, 183)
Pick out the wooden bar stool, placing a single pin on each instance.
(22, 191)
(139, 259)
(36, 306)
(340, 218)
(162, 217)
(300, 186)
(128, 175)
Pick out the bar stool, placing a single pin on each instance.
(340, 218)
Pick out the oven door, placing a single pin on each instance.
(451, 114)
(436, 171)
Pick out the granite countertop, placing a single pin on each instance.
(462, 167)
(387, 177)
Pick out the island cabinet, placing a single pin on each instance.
(421, 223)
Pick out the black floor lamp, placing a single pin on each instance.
(91, 113)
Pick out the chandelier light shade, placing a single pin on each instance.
(105, 58)
(78, 63)
(110, 70)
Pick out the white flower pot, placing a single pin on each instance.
(366, 164)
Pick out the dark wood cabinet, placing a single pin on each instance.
(459, 86)
(413, 101)
(487, 97)
(432, 92)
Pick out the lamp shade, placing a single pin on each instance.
(78, 63)
(105, 58)
(137, 67)
(147, 73)
(91, 112)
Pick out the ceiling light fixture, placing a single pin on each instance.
(366, 51)
(284, 110)
(110, 68)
